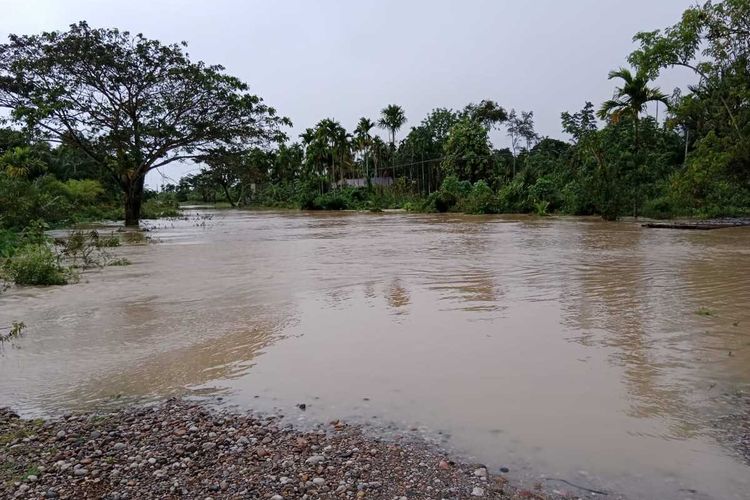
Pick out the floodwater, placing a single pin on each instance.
(557, 347)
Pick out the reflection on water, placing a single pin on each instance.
(559, 347)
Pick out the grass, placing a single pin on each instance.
(20, 432)
(31, 471)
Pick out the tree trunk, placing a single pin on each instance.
(228, 195)
(133, 198)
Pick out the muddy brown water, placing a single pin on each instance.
(557, 347)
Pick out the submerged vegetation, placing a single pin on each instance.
(92, 111)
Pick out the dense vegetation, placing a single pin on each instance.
(92, 111)
(619, 161)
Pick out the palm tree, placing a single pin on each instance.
(392, 118)
(631, 99)
(364, 140)
(378, 149)
(336, 140)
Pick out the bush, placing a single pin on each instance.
(108, 241)
(165, 205)
(334, 200)
(8, 242)
(658, 208)
(481, 200)
(512, 197)
(35, 264)
(541, 208)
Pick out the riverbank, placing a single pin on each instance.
(185, 450)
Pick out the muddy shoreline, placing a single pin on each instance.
(180, 449)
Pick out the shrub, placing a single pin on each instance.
(330, 201)
(8, 243)
(36, 264)
(108, 241)
(161, 206)
(658, 208)
(540, 208)
(481, 200)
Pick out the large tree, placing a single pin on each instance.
(132, 104)
(520, 127)
(487, 112)
(467, 152)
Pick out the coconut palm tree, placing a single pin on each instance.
(631, 99)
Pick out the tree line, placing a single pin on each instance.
(93, 111)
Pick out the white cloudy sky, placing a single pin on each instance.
(345, 59)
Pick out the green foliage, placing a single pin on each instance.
(15, 331)
(35, 264)
(705, 186)
(467, 152)
(175, 108)
(481, 200)
(83, 192)
(162, 206)
(695, 162)
(109, 241)
(540, 208)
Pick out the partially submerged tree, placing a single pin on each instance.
(132, 104)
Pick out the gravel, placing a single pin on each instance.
(180, 449)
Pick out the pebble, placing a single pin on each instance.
(480, 472)
(477, 492)
(254, 457)
(315, 459)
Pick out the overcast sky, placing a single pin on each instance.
(346, 59)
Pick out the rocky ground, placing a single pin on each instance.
(733, 428)
(184, 450)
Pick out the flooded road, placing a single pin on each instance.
(599, 353)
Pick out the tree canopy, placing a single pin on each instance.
(130, 103)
